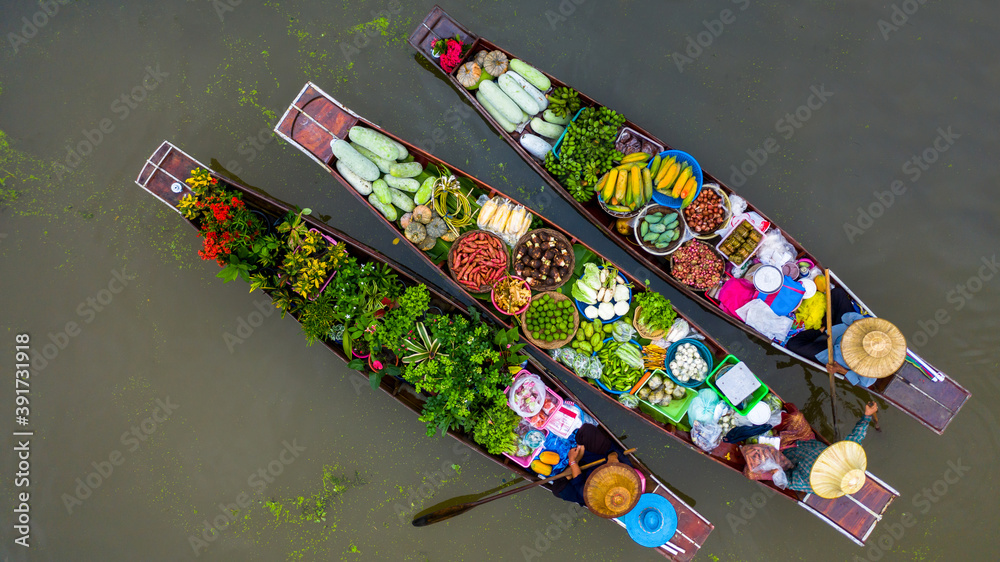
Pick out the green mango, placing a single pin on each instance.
(657, 228)
(652, 219)
(644, 228)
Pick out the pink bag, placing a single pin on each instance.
(734, 294)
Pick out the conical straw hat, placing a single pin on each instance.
(611, 490)
(873, 348)
(839, 470)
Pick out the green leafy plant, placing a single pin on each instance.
(296, 228)
(423, 347)
(495, 428)
(657, 312)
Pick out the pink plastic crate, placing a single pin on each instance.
(526, 461)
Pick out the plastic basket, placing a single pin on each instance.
(543, 422)
(526, 461)
(677, 409)
(751, 401)
(672, 352)
(730, 233)
(681, 156)
(555, 147)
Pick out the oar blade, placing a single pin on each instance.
(441, 515)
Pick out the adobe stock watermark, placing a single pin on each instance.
(892, 533)
(121, 106)
(545, 538)
(566, 9)
(245, 327)
(699, 43)
(786, 126)
(251, 148)
(900, 15)
(454, 116)
(258, 481)
(224, 6)
(914, 169)
(749, 507)
(958, 297)
(103, 469)
(380, 21)
(87, 309)
(48, 9)
(433, 481)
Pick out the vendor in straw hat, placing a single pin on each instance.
(865, 349)
(832, 471)
(592, 445)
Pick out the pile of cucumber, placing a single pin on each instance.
(517, 97)
(381, 169)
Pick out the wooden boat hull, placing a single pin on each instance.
(933, 404)
(163, 176)
(311, 122)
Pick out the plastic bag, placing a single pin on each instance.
(622, 332)
(775, 250)
(702, 408)
(738, 204)
(765, 463)
(594, 368)
(706, 436)
(630, 401)
(564, 355)
(504, 218)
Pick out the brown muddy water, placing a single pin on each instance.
(166, 400)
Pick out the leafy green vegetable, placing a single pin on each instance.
(657, 312)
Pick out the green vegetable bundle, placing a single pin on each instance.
(617, 374)
(657, 312)
(587, 151)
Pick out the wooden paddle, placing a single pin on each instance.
(830, 360)
(449, 512)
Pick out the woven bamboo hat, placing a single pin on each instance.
(873, 348)
(839, 470)
(612, 490)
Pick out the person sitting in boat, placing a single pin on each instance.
(592, 445)
(811, 344)
(821, 469)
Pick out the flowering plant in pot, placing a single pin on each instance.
(312, 259)
(229, 229)
(450, 52)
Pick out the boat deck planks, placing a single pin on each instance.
(921, 406)
(169, 164)
(725, 454)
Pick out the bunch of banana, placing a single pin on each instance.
(628, 186)
(675, 179)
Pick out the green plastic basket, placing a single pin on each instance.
(673, 413)
(751, 400)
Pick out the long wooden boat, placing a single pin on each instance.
(920, 390)
(163, 176)
(315, 118)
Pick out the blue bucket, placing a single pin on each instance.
(672, 352)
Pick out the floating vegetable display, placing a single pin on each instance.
(476, 260)
(659, 231)
(688, 364)
(696, 264)
(544, 258)
(495, 63)
(470, 74)
(511, 295)
(741, 243)
(609, 294)
(706, 213)
(503, 218)
(617, 375)
(590, 336)
(550, 320)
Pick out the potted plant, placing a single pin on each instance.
(229, 229)
(312, 258)
(449, 51)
